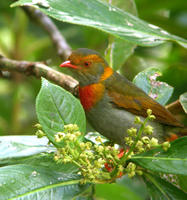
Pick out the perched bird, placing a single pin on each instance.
(110, 101)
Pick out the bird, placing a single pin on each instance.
(111, 102)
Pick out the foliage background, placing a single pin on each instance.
(21, 39)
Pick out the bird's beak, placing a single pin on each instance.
(68, 64)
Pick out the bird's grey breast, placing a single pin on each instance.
(111, 121)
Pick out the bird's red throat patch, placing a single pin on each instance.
(91, 94)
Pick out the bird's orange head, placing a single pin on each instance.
(87, 65)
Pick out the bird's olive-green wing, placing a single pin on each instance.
(126, 95)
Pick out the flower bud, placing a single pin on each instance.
(129, 141)
(38, 126)
(83, 155)
(98, 164)
(166, 146)
(120, 168)
(108, 156)
(100, 148)
(132, 132)
(88, 145)
(148, 130)
(149, 112)
(68, 135)
(139, 172)
(71, 128)
(101, 161)
(56, 158)
(83, 181)
(145, 140)
(77, 133)
(40, 133)
(82, 145)
(131, 167)
(131, 174)
(152, 117)
(140, 150)
(57, 138)
(66, 160)
(153, 142)
(72, 137)
(139, 144)
(137, 120)
(99, 139)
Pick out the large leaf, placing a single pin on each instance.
(56, 107)
(120, 50)
(36, 182)
(13, 148)
(118, 192)
(183, 101)
(182, 181)
(105, 17)
(45, 160)
(159, 91)
(173, 161)
(29, 140)
(135, 184)
(161, 189)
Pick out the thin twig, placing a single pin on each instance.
(63, 48)
(38, 70)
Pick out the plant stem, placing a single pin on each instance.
(140, 131)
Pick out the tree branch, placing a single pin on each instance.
(175, 107)
(38, 70)
(63, 48)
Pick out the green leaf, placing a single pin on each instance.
(161, 189)
(182, 181)
(46, 160)
(105, 17)
(183, 101)
(14, 147)
(173, 161)
(56, 107)
(87, 194)
(118, 49)
(135, 184)
(36, 182)
(118, 192)
(159, 91)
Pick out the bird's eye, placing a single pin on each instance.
(87, 63)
